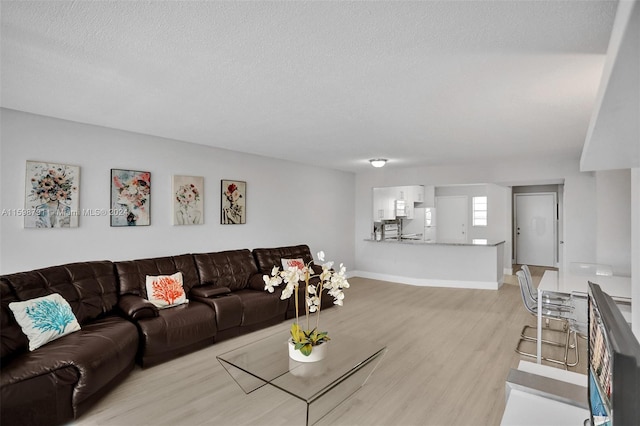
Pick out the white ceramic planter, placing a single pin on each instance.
(308, 369)
(318, 353)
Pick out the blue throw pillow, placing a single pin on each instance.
(44, 319)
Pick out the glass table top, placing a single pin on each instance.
(267, 361)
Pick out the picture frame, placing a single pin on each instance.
(51, 195)
(130, 198)
(233, 202)
(188, 200)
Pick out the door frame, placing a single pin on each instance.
(555, 224)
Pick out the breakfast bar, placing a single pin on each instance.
(474, 264)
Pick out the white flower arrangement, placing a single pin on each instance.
(330, 280)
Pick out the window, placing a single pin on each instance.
(479, 211)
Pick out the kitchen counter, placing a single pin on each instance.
(480, 243)
(436, 264)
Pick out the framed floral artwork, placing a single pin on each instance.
(188, 200)
(130, 198)
(233, 202)
(51, 198)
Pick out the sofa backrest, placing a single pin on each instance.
(267, 258)
(89, 287)
(12, 339)
(132, 274)
(231, 268)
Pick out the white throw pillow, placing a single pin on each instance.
(166, 291)
(287, 263)
(44, 319)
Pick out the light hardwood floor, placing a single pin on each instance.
(449, 353)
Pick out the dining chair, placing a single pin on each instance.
(557, 302)
(548, 297)
(549, 313)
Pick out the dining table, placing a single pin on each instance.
(567, 283)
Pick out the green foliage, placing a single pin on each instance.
(305, 340)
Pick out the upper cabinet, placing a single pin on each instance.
(384, 204)
(385, 200)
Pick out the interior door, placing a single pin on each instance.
(535, 229)
(453, 212)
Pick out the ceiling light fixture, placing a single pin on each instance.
(378, 162)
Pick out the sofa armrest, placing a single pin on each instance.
(38, 394)
(136, 307)
(209, 291)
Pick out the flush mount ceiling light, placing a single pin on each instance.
(378, 162)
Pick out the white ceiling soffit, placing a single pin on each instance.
(613, 140)
(327, 83)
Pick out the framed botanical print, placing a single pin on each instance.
(51, 196)
(188, 200)
(233, 202)
(130, 198)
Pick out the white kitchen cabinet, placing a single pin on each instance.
(401, 192)
(416, 193)
(411, 193)
(384, 204)
(384, 200)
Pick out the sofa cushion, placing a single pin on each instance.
(231, 268)
(227, 308)
(267, 258)
(132, 274)
(44, 319)
(89, 287)
(261, 306)
(179, 327)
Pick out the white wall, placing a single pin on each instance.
(613, 209)
(635, 251)
(580, 219)
(287, 203)
(500, 219)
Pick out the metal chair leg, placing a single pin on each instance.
(575, 345)
(533, 355)
(535, 339)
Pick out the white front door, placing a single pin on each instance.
(452, 218)
(535, 229)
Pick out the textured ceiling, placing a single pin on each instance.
(329, 83)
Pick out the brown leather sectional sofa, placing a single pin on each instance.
(59, 381)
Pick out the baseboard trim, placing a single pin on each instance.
(425, 282)
(508, 271)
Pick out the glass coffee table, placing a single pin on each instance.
(322, 385)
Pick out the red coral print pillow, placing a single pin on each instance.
(166, 291)
(287, 263)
